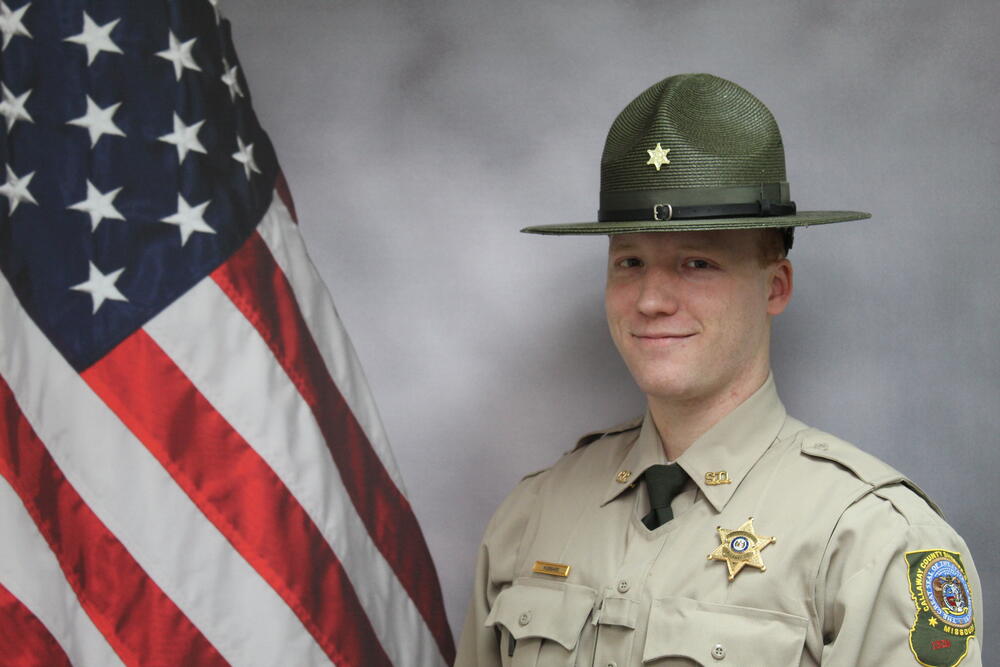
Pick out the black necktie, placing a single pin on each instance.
(663, 482)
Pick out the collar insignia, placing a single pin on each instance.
(717, 478)
(740, 547)
(658, 156)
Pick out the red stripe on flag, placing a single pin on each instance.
(238, 492)
(24, 640)
(140, 622)
(257, 286)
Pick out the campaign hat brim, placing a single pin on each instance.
(799, 219)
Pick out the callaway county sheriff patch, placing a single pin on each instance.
(943, 624)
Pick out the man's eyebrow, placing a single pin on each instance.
(629, 246)
(620, 245)
(708, 246)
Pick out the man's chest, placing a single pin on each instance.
(685, 593)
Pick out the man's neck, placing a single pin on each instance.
(680, 422)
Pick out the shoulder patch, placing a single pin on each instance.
(597, 435)
(943, 623)
(864, 466)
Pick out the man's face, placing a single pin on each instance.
(690, 311)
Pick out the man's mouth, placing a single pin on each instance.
(664, 336)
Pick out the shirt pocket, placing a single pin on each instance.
(682, 631)
(539, 623)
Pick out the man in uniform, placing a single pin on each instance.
(716, 529)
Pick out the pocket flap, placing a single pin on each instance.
(555, 611)
(618, 611)
(713, 634)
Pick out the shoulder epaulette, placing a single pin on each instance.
(534, 474)
(864, 466)
(630, 425)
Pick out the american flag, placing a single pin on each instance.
(192, 471)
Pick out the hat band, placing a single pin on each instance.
(663, 212)
(760, 199)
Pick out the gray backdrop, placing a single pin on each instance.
(419, 137)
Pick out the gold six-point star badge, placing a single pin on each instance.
(740, 547)
(658, 156)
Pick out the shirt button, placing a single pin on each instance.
(719, 652)
(623, 586)
(612, 664)
(524, 618)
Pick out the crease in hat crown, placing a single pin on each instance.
(694, 151)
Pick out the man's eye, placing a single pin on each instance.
(629, 263)
(698, 264)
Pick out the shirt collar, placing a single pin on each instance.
(647, 450)
(727, 451)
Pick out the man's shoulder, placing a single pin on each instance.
(856, 472)
(631, 425)
(592, 456)
(821, 449)
(575, 476)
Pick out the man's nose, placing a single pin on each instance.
(658, 293)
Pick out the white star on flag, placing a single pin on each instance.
(12, 108)
(16, 189)
(184, 137)
(280, 474)
(232, 82)
(96, 38)
(245, 157)
(10, 22)
(180, 55)
(98, 121)
(99, 205)
(101, 286)
(189, 219)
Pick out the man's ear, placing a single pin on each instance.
(780, 284)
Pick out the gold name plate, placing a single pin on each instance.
(555, 569)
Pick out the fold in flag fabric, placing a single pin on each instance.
(192, 471)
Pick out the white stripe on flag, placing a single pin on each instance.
(121, 482)
(262, 404)
(29, 570)
(283, 239)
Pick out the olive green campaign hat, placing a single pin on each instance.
(694, 152)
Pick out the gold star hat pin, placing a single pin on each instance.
(740, 547)
(658, 156)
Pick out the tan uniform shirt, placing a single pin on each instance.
(859, 558)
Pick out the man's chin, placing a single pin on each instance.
(673, 389)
